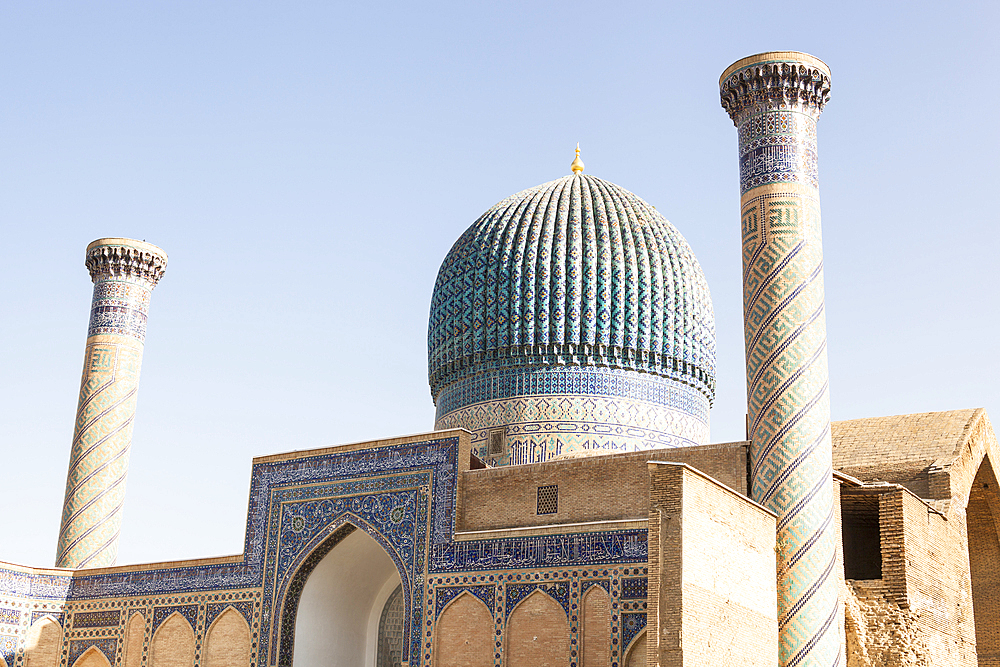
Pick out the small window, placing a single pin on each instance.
(548, 499)
(498, 440)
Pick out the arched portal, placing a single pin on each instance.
(342, 602)
(983, 523)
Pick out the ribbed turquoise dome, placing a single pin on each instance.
(575, 272)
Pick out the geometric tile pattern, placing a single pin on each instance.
(775, 101)
(96, 619)
(404, 497)
(124, 274)
(541, 427)
(634, 589)
(575, 274)
(632, 624)
(107, 646)
(577, 271)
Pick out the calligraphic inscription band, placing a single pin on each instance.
(775, 100)
(124, 274)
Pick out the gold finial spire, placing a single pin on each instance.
(577, 165)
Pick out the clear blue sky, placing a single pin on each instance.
(307, 166)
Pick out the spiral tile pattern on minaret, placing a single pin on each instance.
(775, 99)
(124, 274)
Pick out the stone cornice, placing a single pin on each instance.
(126, 258)
(772, 81)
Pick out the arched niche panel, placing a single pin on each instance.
(636, 656)
(338, 599)
(135, 631)
(92, 657)
(172, 644)
(596, 628)
(983, 523)
(463, 634)
(227, 642)
(43, 643)
(537, 633)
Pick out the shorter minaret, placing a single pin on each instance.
(124, 274)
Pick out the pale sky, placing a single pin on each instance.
(307, 166)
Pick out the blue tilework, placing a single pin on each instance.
(45, 587)
(603, 583)
(212, 611)
(776, 105)
(445, 594)
(77, 648)
(120, 307)
(632, 625)
(96, 619)
(619, 547)
(558, 590)
(10, 616)
(401, 495)
(57, 616)
(8, 648)
(577, 271)
(513, 382)
(634, 589)
(188, 611)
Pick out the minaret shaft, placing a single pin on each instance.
(124, 274)
(775, 100)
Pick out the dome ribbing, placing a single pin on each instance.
(574, 272)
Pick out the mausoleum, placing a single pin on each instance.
(569, 506)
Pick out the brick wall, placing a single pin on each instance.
(596, 638)
(537, 634)
(712, 591)
(463, 636)
(598, 488)
(925, 570)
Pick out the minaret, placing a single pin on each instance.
(775, 100)
(124, 274)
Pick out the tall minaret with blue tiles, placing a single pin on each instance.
(775, 100)
(124, 274)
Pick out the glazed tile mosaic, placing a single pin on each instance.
(573, 294)
(538, 428)
(124, 274)
(403, 496)
(775, 106)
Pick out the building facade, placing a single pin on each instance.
(569, 508)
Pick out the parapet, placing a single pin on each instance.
(775, 80)
(126, 258)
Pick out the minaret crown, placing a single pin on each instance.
(775, 80)
(117, 257)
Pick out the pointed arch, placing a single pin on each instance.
(636, 654)
(227, 642)
(135, 632)
(288, 592)
(173, 643)
(3, 663)
(92, 657)
(596, 627)
(43, 643)
(336, 591)
(537, 633)
(982, 516)
(463, 634)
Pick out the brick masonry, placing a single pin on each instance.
(712, 590)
